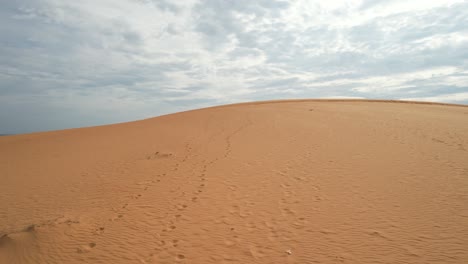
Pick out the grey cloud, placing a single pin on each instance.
(171, 29)
(287, 82)
(374, 51)
(412, 25)
(244, 52)
(217, 22)
(163, 5)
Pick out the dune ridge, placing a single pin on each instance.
(343, 101)
(294, 181)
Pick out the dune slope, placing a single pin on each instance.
(278, 182)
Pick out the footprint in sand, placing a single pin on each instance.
(99, 231)
(5, 239)
(158, 155)
(378, 234)
(181, 207)
(86, 248)
(175, 243)
(119, 217)
(287, 211)
(234, 209)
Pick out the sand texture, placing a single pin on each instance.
(273, 182)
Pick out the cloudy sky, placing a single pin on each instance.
(80, 63)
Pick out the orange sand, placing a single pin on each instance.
(272, 182)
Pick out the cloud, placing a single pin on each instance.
(449, 98)
(163, 5)
(89, 62)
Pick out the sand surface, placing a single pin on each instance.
(277, 182)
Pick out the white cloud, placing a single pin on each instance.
(449, 98)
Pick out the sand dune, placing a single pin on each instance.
(291, 182)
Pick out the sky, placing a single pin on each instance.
(67, 64)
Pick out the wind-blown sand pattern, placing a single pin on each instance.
(275, 182)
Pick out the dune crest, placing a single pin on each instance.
(307, 181)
